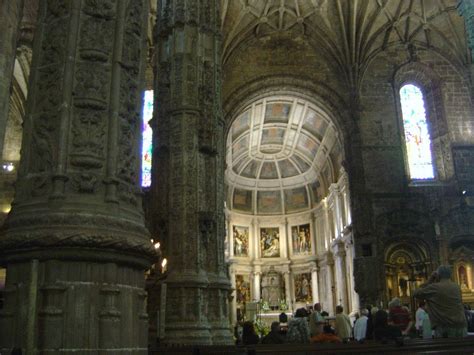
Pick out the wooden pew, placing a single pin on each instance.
(411, 346)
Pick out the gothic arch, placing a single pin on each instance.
(416, 250)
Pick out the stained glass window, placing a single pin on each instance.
(417, 136)
(147, 138)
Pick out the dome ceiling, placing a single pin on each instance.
(280, 156)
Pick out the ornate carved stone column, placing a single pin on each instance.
(10, 17)
(188, 176)
(77, 212)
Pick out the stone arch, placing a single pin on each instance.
(322, 95)
(429, 83)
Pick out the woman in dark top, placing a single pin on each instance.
(383, 331)
(248, 334)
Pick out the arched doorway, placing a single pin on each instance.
(407, 266)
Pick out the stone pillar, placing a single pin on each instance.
(188, 174)
(230, 236)
(285, 240)
(443, 247)
(314, 283)
(341, 271)
(337, 217)
(233, 311)
(312, 221)
(289, 298)
(256, 285)
(10, 17)
(345, 198)
(319, 230)
(328, 226)
(331, 284)
(254, 242)
(77, 209)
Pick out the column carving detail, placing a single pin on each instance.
(188, 172)
(77, 208)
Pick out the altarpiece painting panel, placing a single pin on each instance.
(270, 242)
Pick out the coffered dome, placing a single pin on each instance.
(282, 153)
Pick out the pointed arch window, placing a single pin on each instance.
(417, 136)
(147, 136)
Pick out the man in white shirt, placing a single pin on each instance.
(360, 327)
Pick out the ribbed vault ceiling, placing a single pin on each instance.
(349, 32)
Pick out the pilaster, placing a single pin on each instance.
(288, 293)
(256, 283)
(341, 271)
(314, 283)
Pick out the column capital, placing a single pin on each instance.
(339, 248)
(333, 188)
(314, 267)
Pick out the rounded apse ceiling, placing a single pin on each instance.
(282, 154)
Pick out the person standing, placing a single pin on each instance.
(360, 327)
(399, 316)
(316, 321)
(343, 324)
(445, 306)
(421, 317)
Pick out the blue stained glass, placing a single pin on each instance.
(417, 136)
(147, 138)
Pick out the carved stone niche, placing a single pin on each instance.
(272, 288)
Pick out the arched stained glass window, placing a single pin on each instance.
(147, 138)
(417, 136)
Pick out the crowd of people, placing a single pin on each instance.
(440, 313)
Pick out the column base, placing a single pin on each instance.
(78, 307)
